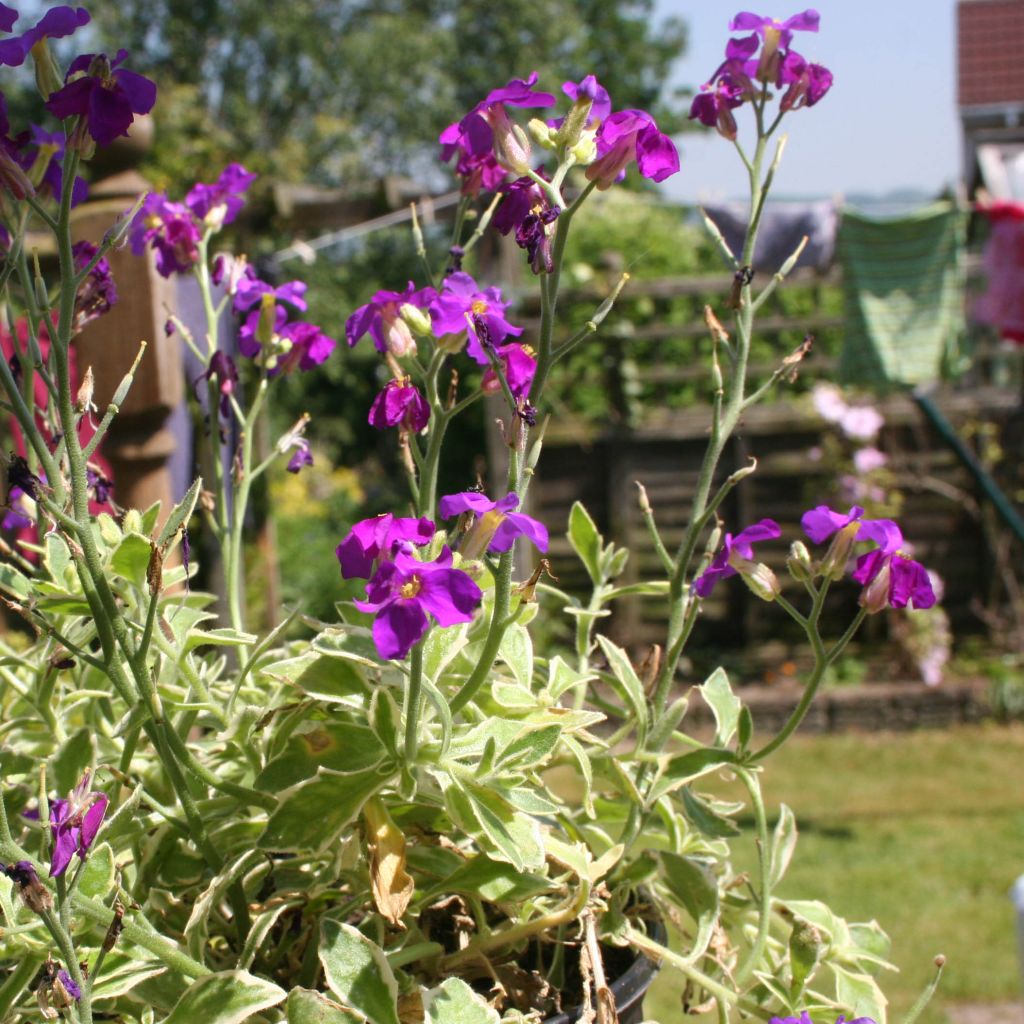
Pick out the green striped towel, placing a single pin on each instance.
(903, 284)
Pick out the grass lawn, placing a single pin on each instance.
(922, 831)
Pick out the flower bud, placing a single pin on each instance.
(33, 893)
(833, 565)
(585, 149)
(398, 338)
(48, 76)
(511, 145)
(761, 580)
(770, 59)
(13, 177)
(268, 320)
(543, 134)
(575, 121)
(418, 320)
(480, 535)
(799, 562)
(875, 595)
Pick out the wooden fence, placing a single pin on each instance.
(599, 462)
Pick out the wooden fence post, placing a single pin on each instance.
(139, 444)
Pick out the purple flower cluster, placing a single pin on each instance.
(74, 823)
(888, 576)
(758, 61)
(402, 591)
(488, 144)
(97, 293)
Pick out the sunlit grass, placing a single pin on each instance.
(922, 831)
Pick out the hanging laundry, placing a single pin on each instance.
(903, 286)
(1002, 305)
(783, 225)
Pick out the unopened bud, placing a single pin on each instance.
(875, 596)
(575, 121)
(398, 338)
(799, 562)
(48, 76)
(13, 177)
(543, 134)
(418, 320)
(83, 400)
(833, 565)
(511, 145)
(267, 321)
(585, 151)
(761, 580)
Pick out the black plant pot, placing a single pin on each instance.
(629, 988)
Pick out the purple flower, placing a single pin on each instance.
(97, 292)
(821, 523)
(301, 457)
(378, 538)
(400, 404)
(714, 104)
(807, 21)
(99, 485)
(526, 209)
(52, 143)
(627, 136)
(496, 524)
(589, 89)
(17, 515)
(171, 230)
(736, 555)
(381, 318)
(74, 823)
(890, 577)
(403, 592)
(285, 346)
(473, 136)
(218, 204)
(107, 97)
(867, 460)
(72, 992)
(519, 366)
(56, 23)
(222, 368)
(807, 82)
(248, 289)
(308, 347)
(33, 893)
(460, 297)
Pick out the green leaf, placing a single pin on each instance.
(180, 514)
(358, 972)
(707, 820)
(686, 767)
(585, 540)
(332, 679)
(562, 677)
(454, 1002)
(339, 746)
(653, 588)
(98, 874)
(441, 647)
(724, 704)
(859, 995)
(196, 930)
(515, 836)
(227, 997)
(494, 881)
(624, 672)
(73, 758)
(783, 844)
(586, 774)
(385, 718)
(123, 972)
(695, 888)
(745, 732)
(147, 521)
(131, 557)
(305, 1006)
(530, 749)
(14, 583)
(311, 815)
(225, 637)
(516, 650)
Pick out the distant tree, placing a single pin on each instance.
(322, 90)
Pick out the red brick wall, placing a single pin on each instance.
(990, 51)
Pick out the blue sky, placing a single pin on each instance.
(889, 122)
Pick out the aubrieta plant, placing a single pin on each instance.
(424, 813)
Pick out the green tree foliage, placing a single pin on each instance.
(318, 91)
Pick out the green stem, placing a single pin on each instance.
(765, 869)
(413, 701)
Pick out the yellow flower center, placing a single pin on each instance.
(412, 588)
(479, 307)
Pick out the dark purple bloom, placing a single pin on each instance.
(403, 592)
(736, 555)
(71, 989)
(43, 143)
(107, 97)
(171, 230)
(589, 88)
(307, 347)
(627, 136)
(20, 477)
(100, 486)
(222, 368)
(400, 404)
(282, 346)
(56, 23)
(526, 209)
(807, 83)
(378, 538)
(248, 289)
(97, 292)
(461, 297)
(519, 366)
(219, 203)
(301, 457)
(473, 135)
(16, 517)
(74, 823)
(714, 104)
(33, 893)
(496, 524)
(381, 318)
